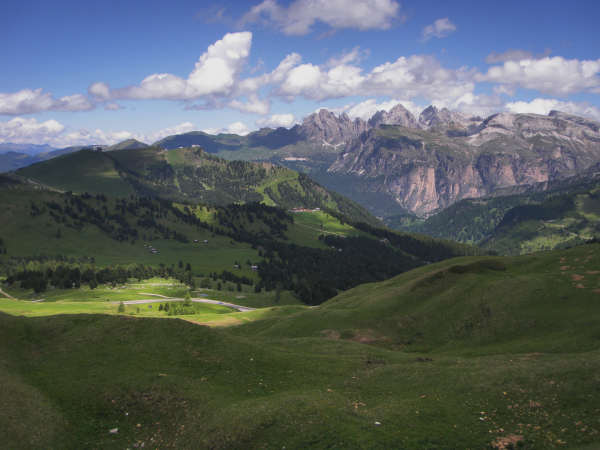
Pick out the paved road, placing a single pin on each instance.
(195, 300)
(6, 295)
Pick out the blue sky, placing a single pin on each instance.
(79, 74)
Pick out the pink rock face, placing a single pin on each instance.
(417, 188)
(426, 170)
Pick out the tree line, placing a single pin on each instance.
(40, 276)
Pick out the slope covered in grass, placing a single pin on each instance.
(565, 214)
(315, 256)
(83, 171)
(343, 375)
(543, 302)
(188, 175)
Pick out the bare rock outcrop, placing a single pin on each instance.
(454, 157)
(327, 128)
(398, 115)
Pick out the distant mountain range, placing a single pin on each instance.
(396, 163)
(28, 149)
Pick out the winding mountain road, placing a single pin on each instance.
(6, 295)
(195, 300)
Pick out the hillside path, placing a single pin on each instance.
(6, 295)
(153, 295)
(320, 231)
(195, 300)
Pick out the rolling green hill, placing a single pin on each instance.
(467, 353)
(314, 254)
(188, 175)
(544, 301)
(128, 144)
(83, 171)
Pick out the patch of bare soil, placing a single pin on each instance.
(507, 442)
(365, 336)
(330, 334)
(528, 356)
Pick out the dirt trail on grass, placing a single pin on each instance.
(320, 231)
(195, 300)
(6, 295)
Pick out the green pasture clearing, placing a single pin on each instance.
(204, 312)
(105, 299)
(25, 235)
(37, 309)
(247, 297)
(309, 225)
(95, 174)
(133, 290)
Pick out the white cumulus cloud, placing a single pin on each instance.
(545, 105)
(215, 74)
(365, 110)
(440, 29)
(407, 78)
(551, 75)
(184, 127)
(28, 101)
(21, 130)
(100, 91)
(237, 128)
(277, 120)
(301, 15)
(254, 104)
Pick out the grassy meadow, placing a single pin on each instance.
(475, 352)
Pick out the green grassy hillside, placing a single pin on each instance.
(467, 353)
(188, 175)
(565, 215)
(542, 302)
(128, 144)
(34, 228)
(83, 171)
(557, 221)
(314, 254)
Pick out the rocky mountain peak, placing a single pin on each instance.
(328, 128)
(590, 124)
(429, 116)
(471, 158)
(501, 120)
(398, 115)
(432, 117)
